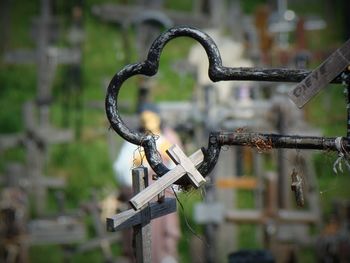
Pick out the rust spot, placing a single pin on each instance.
(261, 144)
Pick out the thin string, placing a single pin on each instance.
(186, 221)
(334, 183)
(141, 153)
(343, 156)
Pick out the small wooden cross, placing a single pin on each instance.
(140, 220)
(184, 166)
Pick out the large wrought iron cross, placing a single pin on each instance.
(332, 70)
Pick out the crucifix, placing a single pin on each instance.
(46, 57)
(35, 139)
(38, 132)
(140, 220)
(101, 240)
(184, 166)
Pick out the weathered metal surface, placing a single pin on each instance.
(216, 72)
(265, 142)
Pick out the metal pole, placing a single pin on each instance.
(265, 142)
(265, 74)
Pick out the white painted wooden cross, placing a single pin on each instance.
(184, 166)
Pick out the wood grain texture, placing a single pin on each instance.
(145, 196)
(131, 217)
(321, 76)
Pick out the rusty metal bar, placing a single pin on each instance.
(265, 74)
(265, 142)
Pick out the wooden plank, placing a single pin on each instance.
(140, 220)
(65, 56)
(259, 217)
(225, 236)
(96, 242)
(131, 217)
(290, 216)
(179, 158)
(49, 182)
(22, 56)
(100, 231)
(205, 213)
(142, 231)
(63, 230)
(321, 76)
(10, 140)
(52, 136)
(244, 216)
(247, 183)
(145, 196)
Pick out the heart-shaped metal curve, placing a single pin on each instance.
(149, 67)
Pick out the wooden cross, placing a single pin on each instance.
(269, 216)
(102, 240)
(46, 57)
(140, 220)
(184, 166)
(36, 138)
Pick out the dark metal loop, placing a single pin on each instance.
(149, 68)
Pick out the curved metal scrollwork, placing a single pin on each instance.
(216, 72)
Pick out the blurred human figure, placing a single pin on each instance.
(165, 230)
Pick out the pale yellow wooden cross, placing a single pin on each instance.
(185, 165)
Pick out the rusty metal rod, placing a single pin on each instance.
(264, 74)
(268, 141)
